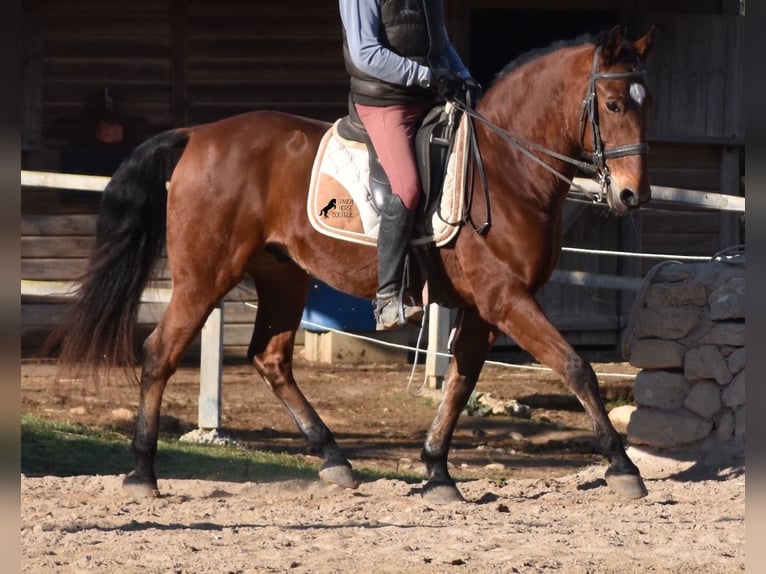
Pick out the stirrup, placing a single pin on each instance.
(392, 312)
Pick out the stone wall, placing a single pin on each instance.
(687, 334)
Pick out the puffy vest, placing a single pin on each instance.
(410, 28)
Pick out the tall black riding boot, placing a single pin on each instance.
(393, 241)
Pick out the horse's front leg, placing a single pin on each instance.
(281, 293)
(472, 341)
(525, 321)
(275, 366)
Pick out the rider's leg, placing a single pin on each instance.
(392, 130)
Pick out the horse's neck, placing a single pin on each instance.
(545, 88)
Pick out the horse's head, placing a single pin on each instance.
(614, 118)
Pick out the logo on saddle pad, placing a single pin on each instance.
(340, 204)
(330, 205)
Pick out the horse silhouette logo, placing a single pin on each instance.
(330, 205)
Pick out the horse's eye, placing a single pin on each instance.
(613, 106)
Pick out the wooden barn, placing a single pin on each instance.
(100, 77)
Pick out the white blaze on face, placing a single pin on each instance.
(637, 93)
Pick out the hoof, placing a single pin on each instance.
(628, 485)
(442, 494)
(340, 474)
(139, 487)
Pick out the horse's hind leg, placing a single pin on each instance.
(473, 340)
(282, 288)
(526, 322)
(163, 350)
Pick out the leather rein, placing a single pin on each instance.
(592, 163)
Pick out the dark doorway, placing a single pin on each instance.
(499, 36)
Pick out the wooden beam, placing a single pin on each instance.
(661, 194)
(211, 371)
(438, 340)
(63, 180)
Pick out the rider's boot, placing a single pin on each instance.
(393, 241)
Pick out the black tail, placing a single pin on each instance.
(99, 329)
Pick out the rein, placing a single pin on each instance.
(593, 163)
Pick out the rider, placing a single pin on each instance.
(399, 58)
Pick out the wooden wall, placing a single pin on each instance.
(168, 63)
(57, 232)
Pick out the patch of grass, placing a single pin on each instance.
(62, 449)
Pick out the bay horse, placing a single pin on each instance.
(228, 199)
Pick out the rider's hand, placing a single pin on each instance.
(447, 85)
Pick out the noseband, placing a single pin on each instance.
(597, 158)
(593, 163)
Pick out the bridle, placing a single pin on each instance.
(597, 158)
(592, 163)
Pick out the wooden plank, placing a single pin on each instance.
(703, 154)
(56, 246)
(235, 312)
(108, 22)
(663, 221)
(36, 316)
(715, 67)
(68, 269)
(265, 91)
(66, 8)
(687, 113)
(135, 46)
(32, 65)
(179, 57)
(734, 96)
(702, 179)
(225, 71)
(237, 334)
(695, 75)
(53, 269)
(74, 70)
(58, 224)
(53, 201)
(62, 288)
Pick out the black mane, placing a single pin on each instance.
(536, 53)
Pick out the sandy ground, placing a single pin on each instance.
(569, 524)
(546, 509)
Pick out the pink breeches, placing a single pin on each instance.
(392, 131)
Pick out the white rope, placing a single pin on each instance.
(633, 254)
(439, 353)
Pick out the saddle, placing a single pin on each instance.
(348, 185)
(433, 144)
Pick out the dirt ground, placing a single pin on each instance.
(536, 498)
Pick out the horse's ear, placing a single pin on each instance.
(643, 46)
(614, 42)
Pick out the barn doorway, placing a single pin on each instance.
(500, 35)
